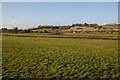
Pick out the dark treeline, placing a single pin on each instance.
(85, 24)
(16, 30)
(53, 27)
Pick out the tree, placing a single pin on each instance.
(99, 27)
(85, 24)
(93, 25)
(4, 29)
(15, 29)
(39, 27)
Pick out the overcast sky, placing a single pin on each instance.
(32, 14)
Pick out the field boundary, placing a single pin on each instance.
(63, 36)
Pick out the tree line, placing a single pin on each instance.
(52, 27)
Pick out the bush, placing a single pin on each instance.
(45, 31)
(41, 32)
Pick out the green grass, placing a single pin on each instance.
(25, 57)
(94, 35)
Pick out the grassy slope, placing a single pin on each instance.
(48, 58)
(83, 28)
(75, 28)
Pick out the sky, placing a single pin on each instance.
(60, 0)
(31, 14)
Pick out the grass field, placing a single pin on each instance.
(30, 57)
(105, 36)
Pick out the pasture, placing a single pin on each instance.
(32, 57)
